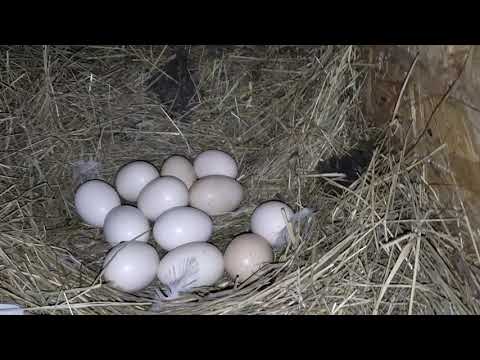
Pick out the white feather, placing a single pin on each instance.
(182, 282)
(301, 217)
(11, 309)
(84, 170)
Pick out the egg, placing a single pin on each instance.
(267, 220)
(191, 265)
(161, 194)
(215, 162)
(126, 223)
(216, 194)
(179, 167)
(132, 178)
(131, 266)
(182, 225)
(94, 199)
(246, 254)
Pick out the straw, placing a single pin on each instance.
(384, 244)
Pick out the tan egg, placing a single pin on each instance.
(216, 194)
(181, 168)
(246, 254)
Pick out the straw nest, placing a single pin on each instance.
(380, 243)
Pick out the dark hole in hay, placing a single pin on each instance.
(173, 84)
(353, 164)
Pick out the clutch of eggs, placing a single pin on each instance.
(174, 205)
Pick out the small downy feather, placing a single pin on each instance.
(11, 309)
(298, 219)
(182, 282)
(84, 170)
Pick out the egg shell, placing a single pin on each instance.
(216, 194)
(208, 259)
(246, 254)
(132, 178)
(161, 194)
(267, 220)
(94, 199)
(181, 168)
(182, 225)
(215, 162)
(126, 223)
(131, 266)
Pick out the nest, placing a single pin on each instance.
(375, 238)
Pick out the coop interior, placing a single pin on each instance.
(374, 148)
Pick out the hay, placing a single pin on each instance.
(384, 244)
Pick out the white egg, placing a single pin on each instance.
(191, 265)
(126, 223)
(131, 266)
(132, 178)
(93, 201)
(268, 220)
(179, 167)
(246, 254)
(215, 162)
(216, 194)
(162, 194)
(182, 225)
